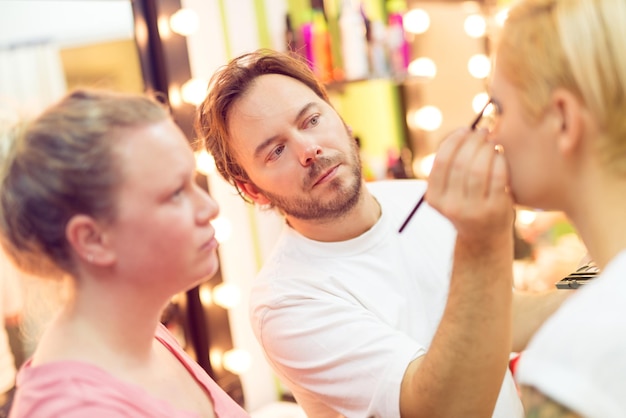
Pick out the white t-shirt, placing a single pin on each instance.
(10, 304)
(341, 321)
(578, 357)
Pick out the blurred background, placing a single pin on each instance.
(402, 73)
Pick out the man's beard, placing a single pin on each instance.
(308, 208)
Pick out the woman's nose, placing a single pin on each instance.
(208, 208)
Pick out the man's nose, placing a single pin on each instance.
(310, 153)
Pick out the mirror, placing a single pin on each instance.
(50, 46)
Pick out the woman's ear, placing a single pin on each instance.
(569, 113)
(89, 240)
(252, 192)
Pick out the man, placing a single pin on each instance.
(358, 319)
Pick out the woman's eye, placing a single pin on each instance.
(314, 120)
(497, 109)
(178, 192)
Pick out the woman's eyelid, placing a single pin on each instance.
(186, 184)
(179, 191)
(496, 106)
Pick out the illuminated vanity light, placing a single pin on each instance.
(416, 21)
(194, 91)
(479, 101)
(423, 67)
(223, 229)
(236, 361)
(501, 16)
(205, 163)
(424, 165)
(525, 217)
(226, 295)
(165, 32)
(479, 66)
(427, 118)
(475, 26)
(184, 22)
(205, 295)
(174, 95)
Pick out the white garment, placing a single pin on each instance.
(10, 304)
(578, 357)
(341, 321)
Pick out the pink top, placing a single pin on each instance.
(73, 389)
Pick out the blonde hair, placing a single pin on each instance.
(61, 164)
(576, 45)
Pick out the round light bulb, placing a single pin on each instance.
(205, 163)
(416, 21)
(427, 118)
(479, 101)
(423, 67)
(236, 361)
(226, 295)
(184, 22)
(479, 66)
(194, 91)
(223, 229)
(475, 26)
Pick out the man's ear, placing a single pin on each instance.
(252, 192)
(569, 113)
(89, 240)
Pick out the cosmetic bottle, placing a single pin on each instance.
(398, 45)
(354, 47)
(322, 56)
(379, 66)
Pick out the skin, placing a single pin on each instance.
(280, 141)
(539, 406)
(161, 243)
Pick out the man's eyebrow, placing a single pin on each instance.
(305, 109)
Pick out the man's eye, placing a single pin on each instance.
(276, 152)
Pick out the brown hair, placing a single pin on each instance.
(228, 85)
(61, 164)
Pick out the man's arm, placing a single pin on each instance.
(530, 310)
(538, 405)
(463, 370)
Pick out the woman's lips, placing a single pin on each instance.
(210, 245)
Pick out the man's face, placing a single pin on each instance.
(296, 150)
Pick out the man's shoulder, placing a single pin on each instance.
(396, 185)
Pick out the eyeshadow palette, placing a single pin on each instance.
(578, 278)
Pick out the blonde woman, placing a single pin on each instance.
(559, 90)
